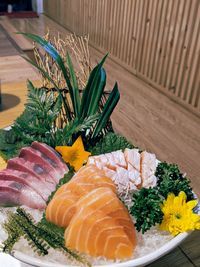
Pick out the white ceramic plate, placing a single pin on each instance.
(141, 261)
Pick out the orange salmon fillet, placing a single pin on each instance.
(97, 222)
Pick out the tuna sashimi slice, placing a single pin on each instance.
(51, 156)
(33, 169)
(15, 193)
(26, 179)
(33, 155)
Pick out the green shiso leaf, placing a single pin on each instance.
(9, 144)
(110, 142)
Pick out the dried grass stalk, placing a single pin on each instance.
(77, 46)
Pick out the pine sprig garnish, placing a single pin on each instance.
(171, 180)
(146, 209)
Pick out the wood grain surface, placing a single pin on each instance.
(145, 116)
(157, 40)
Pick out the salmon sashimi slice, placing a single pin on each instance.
(61, 209)
(87, 179)
(62, 206)
(97, 233)
(105, 200)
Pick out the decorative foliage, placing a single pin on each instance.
(77, 105)
(75, 155)
(78, 47)
(40, 236)
(110, 142)
(38, 122)
(178, 214)
(146, 209)
(171, 180)
(9, 144)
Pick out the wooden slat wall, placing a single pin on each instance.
(157, 40)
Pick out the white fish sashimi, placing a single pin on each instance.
(132, 157)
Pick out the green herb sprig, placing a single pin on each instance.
(171, 180)
(146, 209)
(110, 142)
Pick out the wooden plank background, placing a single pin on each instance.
(157, 40)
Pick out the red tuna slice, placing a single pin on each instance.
(49, 154)
(33, 169)
(27, 179)
(15, 194)
(35, 156)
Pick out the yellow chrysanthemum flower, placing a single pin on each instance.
(178, 214)
(75, 155)
(3, 163)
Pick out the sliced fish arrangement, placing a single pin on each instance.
(30, 178)
(129, 170)
(96, 221)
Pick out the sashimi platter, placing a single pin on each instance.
(73, 192)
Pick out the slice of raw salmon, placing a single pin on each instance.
(87, 179)
(101, 226)
(62, 207)
(105, 200)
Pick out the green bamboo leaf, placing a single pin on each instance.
(97, 92)
(65, 103)
(77, 100)
(107, 110)
(92, 81)
(55, 55)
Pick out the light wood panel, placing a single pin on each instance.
(157, 40)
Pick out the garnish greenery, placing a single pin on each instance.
(66, 113)
(40, 236)
(110, 142)
(171, 180)
(9, 144)
(146, 209)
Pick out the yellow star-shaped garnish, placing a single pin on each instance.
(75, 155)
(3, 163)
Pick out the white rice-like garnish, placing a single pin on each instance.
(146, 243)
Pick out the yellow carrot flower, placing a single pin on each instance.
(3, 163)
(75, 155)
(178, 214)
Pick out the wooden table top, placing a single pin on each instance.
(145, 116)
